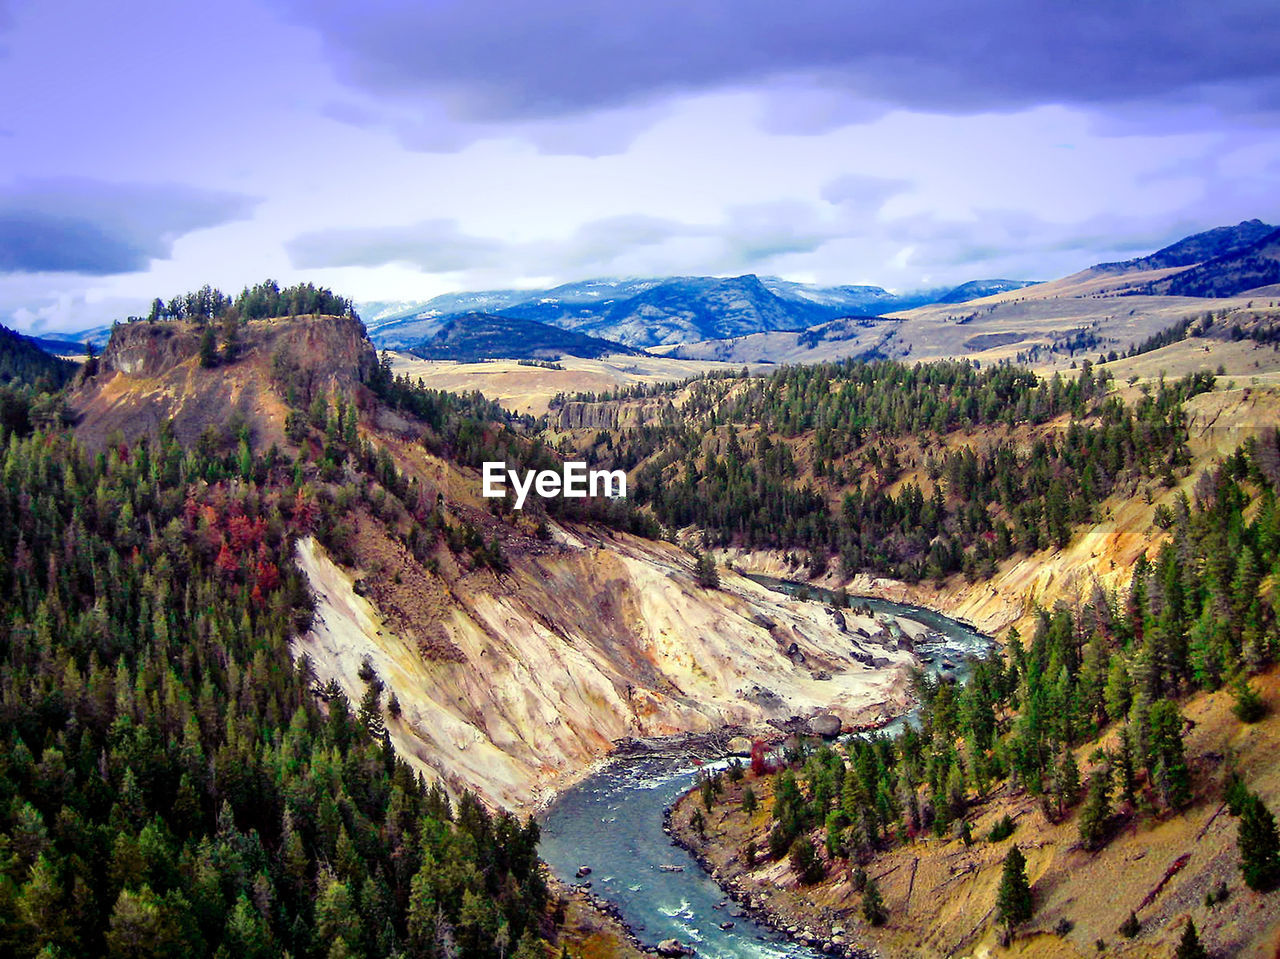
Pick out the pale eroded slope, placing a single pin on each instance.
(588, 644)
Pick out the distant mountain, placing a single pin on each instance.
(374, 312)
(976, 289)
(1229, 274)
(688, 308)
(57, 345)
(1197, 248)
(654, 311)
(479, 336)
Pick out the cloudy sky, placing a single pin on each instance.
(400, 150)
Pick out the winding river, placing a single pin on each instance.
(612, 822)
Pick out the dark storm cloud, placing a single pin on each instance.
(511, 59)
(98, 229)
(34, 242)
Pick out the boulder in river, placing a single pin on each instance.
(826, 725)
(739, 746)
(583, 872)
(673, 947)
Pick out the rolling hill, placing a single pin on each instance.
(1104, 309)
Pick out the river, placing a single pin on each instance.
(612, 822)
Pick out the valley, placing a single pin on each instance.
(531, 389)
(303, 507)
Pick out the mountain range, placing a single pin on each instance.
(478, 336)
(663, 311)
(687, 312)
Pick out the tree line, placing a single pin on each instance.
(807, 459)
(261, 301)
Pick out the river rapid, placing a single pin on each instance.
(612, 823)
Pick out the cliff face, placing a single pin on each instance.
(150, 373)
(583, 644)
(612, 416)
(148, 349)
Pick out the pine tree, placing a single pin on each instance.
(1189, 947)
(208, 348)
(1066, 780)
(230, 339)
(1168, 765)
(707, 574)
(1096, 811)
(1118, 692)
(873, 904)
(370, 713)
(1125, 766)
(1259, 846)
(1249, 707)
(1014, 903)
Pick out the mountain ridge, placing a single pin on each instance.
(1231, 273)
(664, 311)
(1195, 248)
(480, 336)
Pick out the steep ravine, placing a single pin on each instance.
(592, 642)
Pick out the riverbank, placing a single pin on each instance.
(1100, 559)
(829, 938)
(591, 926)
(939, 892)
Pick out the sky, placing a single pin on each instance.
(396, 151)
